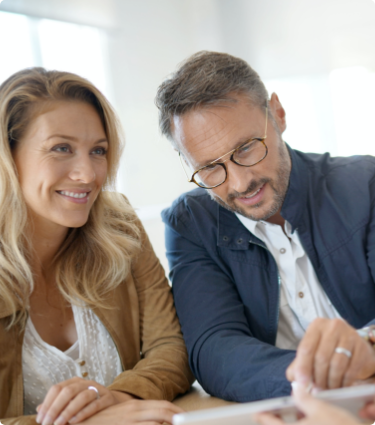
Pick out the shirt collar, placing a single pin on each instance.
(252, 225)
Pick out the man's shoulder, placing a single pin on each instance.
(190, 206)
(331, 166)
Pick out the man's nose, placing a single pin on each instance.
(83, 170)
(238, 177)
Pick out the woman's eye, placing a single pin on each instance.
(99, 151)
(63, 149)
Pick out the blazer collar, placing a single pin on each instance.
(295, 201)
(231, 233)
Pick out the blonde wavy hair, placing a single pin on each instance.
(94, 258)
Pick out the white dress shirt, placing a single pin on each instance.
(302, 299)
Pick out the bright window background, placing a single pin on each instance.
(17, 52)
(54, 45)
(353, 94)
(329, 112)
(74, 48)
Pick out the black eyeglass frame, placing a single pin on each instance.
(232, 153)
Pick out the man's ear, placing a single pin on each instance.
(278, 112)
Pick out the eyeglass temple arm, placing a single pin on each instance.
(189, 179)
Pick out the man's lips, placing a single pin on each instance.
(253, 198)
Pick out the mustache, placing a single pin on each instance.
(253, 186)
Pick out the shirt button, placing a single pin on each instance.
(301, 294)
(82, 363)
(85, 374)
(282, 250)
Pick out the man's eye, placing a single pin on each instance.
(211, 167)
(246, 148)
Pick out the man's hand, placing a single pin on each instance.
(317, 361)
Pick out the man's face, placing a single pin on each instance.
(206, 134)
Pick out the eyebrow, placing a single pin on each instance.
(72, 138)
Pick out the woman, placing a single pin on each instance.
(87, 322)
(317, 412)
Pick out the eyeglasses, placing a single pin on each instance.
(215, 173)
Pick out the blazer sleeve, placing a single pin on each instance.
(163, 371)
(227, 360)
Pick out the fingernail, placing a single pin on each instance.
(301, 387)
(40, 417)
(73, 420)
(316, 390)
(47, 420)
(59, 421)
(294, 385)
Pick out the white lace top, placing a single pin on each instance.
(93, 356)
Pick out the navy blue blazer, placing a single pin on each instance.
(225, 281)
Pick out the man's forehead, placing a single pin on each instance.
(199, 125)
(204, 134)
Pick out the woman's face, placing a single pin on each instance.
(62, 164)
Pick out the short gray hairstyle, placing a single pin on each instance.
(206, 79)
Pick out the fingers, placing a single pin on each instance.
(290, 374)
(70, 399)
(322, 360)
(318, 362)
(84, 405)
(305, 402)
(153, 410)
(303, 366)
(330, 366)
(339, 365)
(368, 411)
(267, 419)
(362, 364)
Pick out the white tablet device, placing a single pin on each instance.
(351, 399)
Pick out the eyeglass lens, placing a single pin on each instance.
(248, 154)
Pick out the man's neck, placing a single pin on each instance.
(277, 219)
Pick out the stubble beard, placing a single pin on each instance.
(278, 187)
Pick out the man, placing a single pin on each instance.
(276, 249)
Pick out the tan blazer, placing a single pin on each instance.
(143, 324)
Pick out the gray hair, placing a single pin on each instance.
(206, 79)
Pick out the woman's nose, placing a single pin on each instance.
(83, 170)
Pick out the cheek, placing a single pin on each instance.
(101, 172)
(220, 192)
